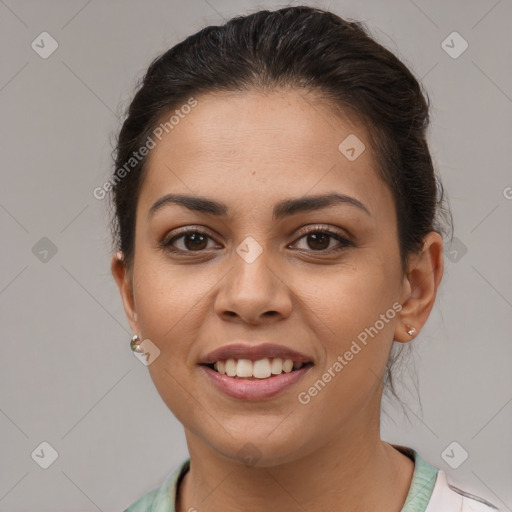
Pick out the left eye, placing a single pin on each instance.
(320, 240)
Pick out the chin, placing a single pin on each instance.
(260, 450)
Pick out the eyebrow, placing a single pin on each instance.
(282, 209)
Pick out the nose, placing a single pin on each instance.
(253, 292)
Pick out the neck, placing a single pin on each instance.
(357, 474)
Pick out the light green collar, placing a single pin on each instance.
(422, 484)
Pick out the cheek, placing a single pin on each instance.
(355, 327)
(166, 296)
(168, 299)
(357, 336)
(348, 301)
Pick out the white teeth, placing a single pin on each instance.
(277, 366)
(287, 365)
(230, 367)
(260, 369)
(244, 368)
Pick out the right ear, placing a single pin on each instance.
(124, 282)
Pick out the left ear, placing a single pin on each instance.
(419, 289)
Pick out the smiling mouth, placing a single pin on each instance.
(256, 370)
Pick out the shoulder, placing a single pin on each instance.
(163, 498)
(448, 497)
(432, 490)
(144, 504)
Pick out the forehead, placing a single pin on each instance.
(261, 146)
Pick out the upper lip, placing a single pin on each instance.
(253, 352)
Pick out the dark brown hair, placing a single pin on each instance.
(312, 50)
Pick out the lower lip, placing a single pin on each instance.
(257, 389)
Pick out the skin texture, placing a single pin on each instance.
(251, 150)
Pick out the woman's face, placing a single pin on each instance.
(253, 278)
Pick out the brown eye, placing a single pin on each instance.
(319, 240)
(187, 241)
(195, 241)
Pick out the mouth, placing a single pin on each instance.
(265, 368)
(254, 372)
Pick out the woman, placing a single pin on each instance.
(276, 219)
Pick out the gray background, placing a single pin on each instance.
(67, 374)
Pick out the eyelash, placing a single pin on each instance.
(344, 242)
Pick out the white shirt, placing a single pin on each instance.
(448, 498)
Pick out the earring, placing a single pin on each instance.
(134, 345)
(411, 331)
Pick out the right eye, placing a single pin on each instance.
(191, 240)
